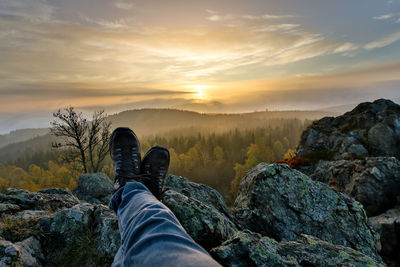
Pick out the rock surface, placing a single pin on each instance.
(52, 228)
(35, 232)
(388, 226)
(283, 203)
(251, 249)
(201, 210)
(95, 188)
(358, 154)
(375, 182)
(47, 199)
(371, 129)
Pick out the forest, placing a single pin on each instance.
(219, 160)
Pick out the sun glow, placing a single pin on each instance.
(199, 90)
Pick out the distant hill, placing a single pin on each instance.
(154, 121)
(148, 122)
(21, 135)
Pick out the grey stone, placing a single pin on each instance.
(388, 226)
(371, 129)
(49, 199)
(251, 249)
(95, 188)
(283, 203)
(25, 253)
(200, 192)
(203, 222)
(375, 182)
(106, 230)
(29, 214)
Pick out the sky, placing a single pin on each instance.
(209, 56)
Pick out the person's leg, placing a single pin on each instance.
(150, 233)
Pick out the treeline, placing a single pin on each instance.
(221, 160)
(35, 177)
(216, 159)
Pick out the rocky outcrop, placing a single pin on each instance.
(388, 226)
(277, 201)
(375, 182)
(201, 210)
(47, 199)
(51, 228)
(298, 222)
(251, 249)
(371, 129)
(358, 154)
(95, 188)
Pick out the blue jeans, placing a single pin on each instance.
(150, 233)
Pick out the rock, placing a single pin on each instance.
(246, 248)
(95, 188)
(49, 199)
(5, 208)
(371, 129)
(73, 235)
(388, 226)
(25, 253)
(283, 203)
(375, 182)
(31, 251)
(203, 222)
(106, 230)
(202, 193)
(29, 214)
(68, 224)
(251, 249)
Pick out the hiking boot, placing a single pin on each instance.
(154, 169)
(125, 154)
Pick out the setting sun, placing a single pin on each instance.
(199, 90)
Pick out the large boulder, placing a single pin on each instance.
(80, 236)
(47, 199)
(283, 203)
(95, 188)
(371, 129)
(251, 249)
(201, 210)
(388, 226)
(375, 182)
(201, 192)
(51, 228)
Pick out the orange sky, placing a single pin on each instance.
(234, 55)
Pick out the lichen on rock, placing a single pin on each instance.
(283, 203)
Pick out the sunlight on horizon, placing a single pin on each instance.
(199, 90)
(211, 56)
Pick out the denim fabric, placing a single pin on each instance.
(150, 233)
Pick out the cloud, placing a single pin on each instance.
(278, 27)
(215, 16)
(384, 17)
(346, 47)
(124, 5)
(108, 24)
(394, 17)
(32, 10)
(385, 41)
(65, 91)
(101, 50)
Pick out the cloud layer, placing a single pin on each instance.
(115, 53)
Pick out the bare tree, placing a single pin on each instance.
(89, 139)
